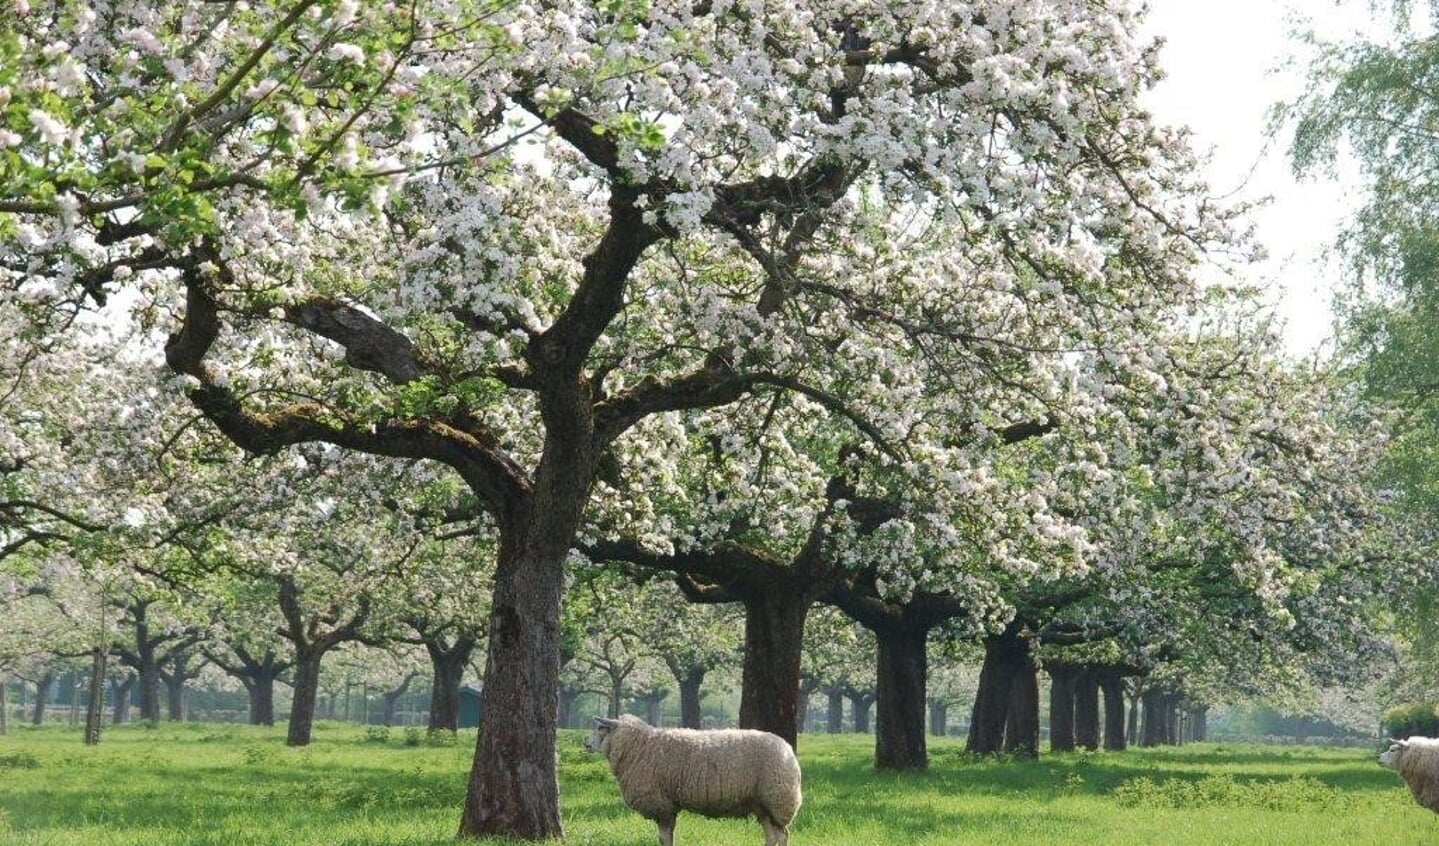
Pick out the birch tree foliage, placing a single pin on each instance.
(1370, 102)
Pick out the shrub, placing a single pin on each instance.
(1223, 790)
(1417, 718)
(377, 734)
(19, 761)
(441, 737)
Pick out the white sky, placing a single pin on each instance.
(1225, 61)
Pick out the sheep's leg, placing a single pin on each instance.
(667, 832)
(774, 833)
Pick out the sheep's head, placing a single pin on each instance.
(603, 727)
(1390, 757)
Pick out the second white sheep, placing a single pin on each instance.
(719, 773)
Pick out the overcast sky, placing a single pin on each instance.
(1225, 63)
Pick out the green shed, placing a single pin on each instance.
(469, 707)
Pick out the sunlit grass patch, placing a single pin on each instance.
(237, 785)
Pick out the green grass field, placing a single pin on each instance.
(234, 785)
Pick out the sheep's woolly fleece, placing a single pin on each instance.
(719, 773)
(1417, 760)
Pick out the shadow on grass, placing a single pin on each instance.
(217, 787)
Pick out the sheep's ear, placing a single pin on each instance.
(606, 722)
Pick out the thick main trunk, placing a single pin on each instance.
(901, 676)
(307, 690)
(1021, 729)
(859, 703)
(774, 633)
(261, 687)
(175, 695)
(652, 709)
(513, 788)
(1006, 662)
(834, 717)
(1061, 706)
(691, 715)
(449, 671)
(149, 682)
(120, 692)
(95, 702)
(1086, 709)
(42, 696)
(1157, 728)
(565, 716)
(1199, 724)
(939, 718)
(1112, 683)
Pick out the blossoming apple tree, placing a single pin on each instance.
(500, 236)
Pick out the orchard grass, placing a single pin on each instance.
(231, 785)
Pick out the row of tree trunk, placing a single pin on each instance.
(1005, 716)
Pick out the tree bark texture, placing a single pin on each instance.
(652, 709)
(1002, 679)
(774, 634)
(42, 696)
(566, 716)
(859, 705)
(1199, 723)
(149, 671)
(307, 691)
(120, 689)
(1061, 706)
(261, 690)
(1086, 709)
(1161, 718)
(1112, 683)
(174, 681)
(95, 702)
(691, 713)
(901, 676)
(513, 788)
(1021, 729)
(449, 670)
(834, 717)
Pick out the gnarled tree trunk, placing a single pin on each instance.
(513, 787)
(1006, 662)
(691, 715)
(448, 665)
(120, 688)
(901, 675)
(261, 688)
(42, 697)
(774, 635)
(307, 691)
(860, 701)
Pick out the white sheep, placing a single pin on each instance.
(719, 773)
(1417, 760)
